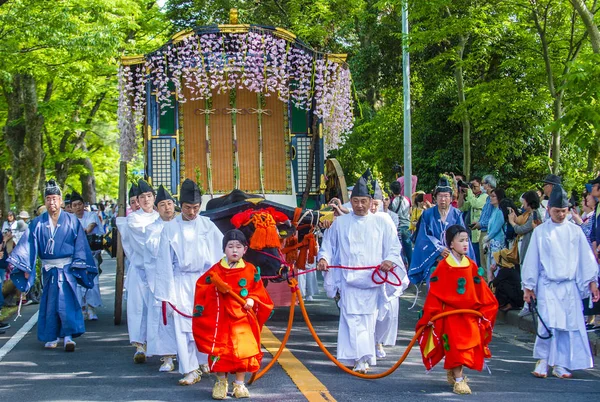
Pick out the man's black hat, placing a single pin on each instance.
(75, 196)
(234, 234)
(134, 191)
(144, 187)
(190, 193)
(52, 188)
(443, 186)
(552, 179)
(67, 199)
(163, 194)
(377, 191)
(558, 197)
(364, 186)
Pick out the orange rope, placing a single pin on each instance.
(256, 376)
(297, 294)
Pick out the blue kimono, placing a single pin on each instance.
(66, 261)
(430, 242)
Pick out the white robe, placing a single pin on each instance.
(360, 241)
(559, 267)
(134, 245)
(386, 326)
(187, 249)
(160, 337)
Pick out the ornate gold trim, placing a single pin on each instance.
(133, 60)
(229, 28)
(337, 57)
(179, 36)
(284, 34)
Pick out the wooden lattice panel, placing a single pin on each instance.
(221, 139)
(248, 144)
(274, 146)
(194, 140)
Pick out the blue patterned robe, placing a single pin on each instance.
(430, 242)
(60, 313)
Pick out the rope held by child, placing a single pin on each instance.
(296, 293)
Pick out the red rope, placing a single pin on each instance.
(180, 313)
(376, 277)
(164, 312)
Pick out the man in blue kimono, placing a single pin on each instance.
(59, 240)
(430, 245)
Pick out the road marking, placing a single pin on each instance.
(310, 386)
(16, 338)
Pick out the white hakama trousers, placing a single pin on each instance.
(308, 282)
(137, 305)
(386, 327)
(568, 349)
(356, 338)
(89, 297)
(561, 308)
(188, 355)
(161, 338)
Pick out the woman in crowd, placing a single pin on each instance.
(523, 225)
(495, 238)
(419, 205)
(586, 222)
(11, 222)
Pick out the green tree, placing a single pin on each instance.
(58, 78)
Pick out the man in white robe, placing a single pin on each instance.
(560, 270)
(189, 245)
(134, 233)
(386, 326)
(160, 336)
(360, 239)
(89, 299)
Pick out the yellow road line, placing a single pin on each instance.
(310, 386)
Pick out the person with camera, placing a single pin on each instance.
(400, 205)
(489, 184)
(89, 299)
(472, 200)
(10, 224)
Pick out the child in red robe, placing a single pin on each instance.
(462, 339)
(225, 326)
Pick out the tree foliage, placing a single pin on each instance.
(67, 52)
(509, 88)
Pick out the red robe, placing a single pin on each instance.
(462, 338)
(222, 328)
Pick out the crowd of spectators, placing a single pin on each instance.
(500, 231)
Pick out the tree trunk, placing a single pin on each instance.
(466, 122)
(588, 20)
(88, 182)
(23, 134)
(593, 153)
(4, 198)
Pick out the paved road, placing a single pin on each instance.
(102, 370)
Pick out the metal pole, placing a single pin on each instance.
(406, 101)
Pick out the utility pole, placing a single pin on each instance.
(406, 101)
